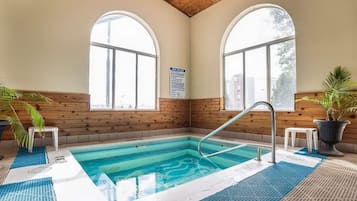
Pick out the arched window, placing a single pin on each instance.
(259, 60)
(123, 62)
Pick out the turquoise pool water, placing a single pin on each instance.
(132, 170)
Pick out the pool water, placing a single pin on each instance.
(132, 170)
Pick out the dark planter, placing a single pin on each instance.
(3, 124)
(330, 133)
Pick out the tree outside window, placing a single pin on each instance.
(259, 60)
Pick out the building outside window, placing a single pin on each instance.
(259, 60)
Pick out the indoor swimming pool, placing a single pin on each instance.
(132, 170)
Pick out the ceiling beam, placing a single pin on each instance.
(191, 7)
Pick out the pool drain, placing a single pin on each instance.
(60, 159)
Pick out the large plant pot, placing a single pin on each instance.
(3, 124)
(330, 133)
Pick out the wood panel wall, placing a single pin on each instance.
(208, 114)
(70, 112)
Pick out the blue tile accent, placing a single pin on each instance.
(24, 158)
(314, 153)
(271, 184)
(32, 190)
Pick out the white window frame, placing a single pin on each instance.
(137, 54)
(267, 45)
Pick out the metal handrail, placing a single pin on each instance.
(232, 120)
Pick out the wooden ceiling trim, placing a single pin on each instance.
(191, 7)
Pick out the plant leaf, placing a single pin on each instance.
(19, 131)
(27, 96)
(36, 117)
(10, 98)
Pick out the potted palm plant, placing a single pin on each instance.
(11, 99)
(338, 99)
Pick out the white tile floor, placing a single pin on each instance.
(71, 182)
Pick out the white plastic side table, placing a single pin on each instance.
(33, 130)
(311, 137)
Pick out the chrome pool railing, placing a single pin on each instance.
(235, 118)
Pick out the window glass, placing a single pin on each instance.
(100, 77)
(122, 64)
(234, 81)
(146, 82)
(283, 74)
(123, 31)
(259, 60)
(260, 26)
(100, 33)
(256, 76)
(125, 80)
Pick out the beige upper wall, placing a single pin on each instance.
(45, 44)
(326, 36)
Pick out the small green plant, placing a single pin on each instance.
(11, 99)
(339, 96)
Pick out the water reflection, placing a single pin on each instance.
(136, 187)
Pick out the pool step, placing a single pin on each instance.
(114, 164)
(135, 163)
(123, 145)
(246, 152)
(170, 171)
(135, 148)
(145, 151)
(106, 186)
(218, 162)
(168, 163)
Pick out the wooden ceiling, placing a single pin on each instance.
(191, 7)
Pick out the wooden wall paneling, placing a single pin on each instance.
(207, 113)
(71, 113)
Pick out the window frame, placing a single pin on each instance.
(111, 82)
(243, 51)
